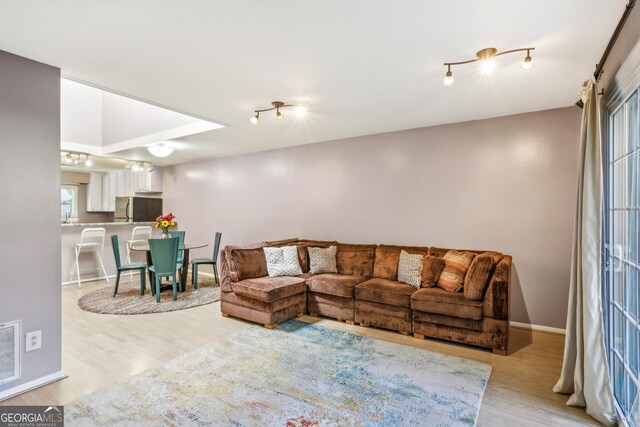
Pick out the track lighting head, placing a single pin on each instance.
(279, 115)
(448, 78)
(527, 63)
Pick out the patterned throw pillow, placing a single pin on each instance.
(457, 264)
(410, 269)
(282, 261)
(322, 260)
(431, 269)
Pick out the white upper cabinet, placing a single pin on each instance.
(148, 182)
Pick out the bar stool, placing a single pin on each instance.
(139, 236)
(91, 240)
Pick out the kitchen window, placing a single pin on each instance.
(69, 202)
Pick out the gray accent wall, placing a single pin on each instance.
(506, 184)
(30, 214)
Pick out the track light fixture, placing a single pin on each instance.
(277, 105)
(486, 56)
(75, 159)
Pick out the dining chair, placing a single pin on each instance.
(139, 236)
(164, 255)
(179, 235)
(206, 261)
(91, 239)
(131, 266)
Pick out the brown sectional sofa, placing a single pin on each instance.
(365, 291)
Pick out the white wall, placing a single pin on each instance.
(30, 213)
(81, 113)
(506, 184)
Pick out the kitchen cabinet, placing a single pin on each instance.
(148, 182)
(101, 192)
(94, 192)
(124, 183)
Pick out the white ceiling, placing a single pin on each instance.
(360, 66)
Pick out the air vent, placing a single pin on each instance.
(9, 351)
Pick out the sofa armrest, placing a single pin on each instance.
(226, 273)
(497, 299)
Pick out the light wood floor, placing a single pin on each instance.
(99, 350)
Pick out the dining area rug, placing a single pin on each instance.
(298, 374)
(129, 301)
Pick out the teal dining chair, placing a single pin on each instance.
(179, 235)
(164, 255)
(206, 261)
(142, 266)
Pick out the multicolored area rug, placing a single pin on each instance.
(299, 374)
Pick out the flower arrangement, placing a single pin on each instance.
(165, 223)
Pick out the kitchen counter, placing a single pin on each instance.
(88, 263)
(106, 224)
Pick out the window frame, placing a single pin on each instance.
(74, 201)
(624, 86)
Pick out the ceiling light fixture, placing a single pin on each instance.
(488, 65)
(277, 105)
(75, 159)
(160, 149)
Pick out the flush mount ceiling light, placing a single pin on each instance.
(486, 56)
(277, 105)
(160, 149)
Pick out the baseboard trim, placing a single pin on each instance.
(90, 279)
(31, 385)
(538, 328)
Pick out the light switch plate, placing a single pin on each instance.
(33, 340)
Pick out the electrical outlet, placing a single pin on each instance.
(33, 341)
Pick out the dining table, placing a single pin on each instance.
(186, 248)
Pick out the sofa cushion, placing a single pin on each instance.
(322, 260)
(410, 269)
(355, 259)
(439, 301)
(269, 289)
(335, 284)
(282, 261)
(385, 291)
(457, 264)
(247, 263)
(431, 269)
(387, 258)
(477, 277)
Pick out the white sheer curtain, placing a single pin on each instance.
(584, 370)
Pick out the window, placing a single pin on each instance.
(622, 275)
(69, 202)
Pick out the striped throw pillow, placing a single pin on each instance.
(457, 264)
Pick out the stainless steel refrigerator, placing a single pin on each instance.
(137, 209)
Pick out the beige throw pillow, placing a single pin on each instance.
(282, 261)
(410, 268)
(322, 260)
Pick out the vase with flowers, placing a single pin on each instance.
(164, 224)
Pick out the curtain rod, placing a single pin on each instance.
(600, 65)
